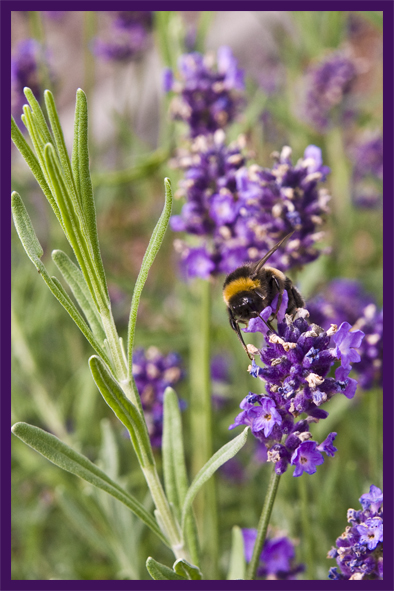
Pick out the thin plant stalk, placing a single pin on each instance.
(374, 437)
(263, 525)
(307, 532)
(339, 176)
(37, 32)
(89, 29)
(201, 423)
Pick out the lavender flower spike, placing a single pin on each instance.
(153, 373)
(359, 551)
(297, 360)
(206, 98)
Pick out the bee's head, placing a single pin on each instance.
(246, 305)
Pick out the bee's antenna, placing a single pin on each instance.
(262, 261)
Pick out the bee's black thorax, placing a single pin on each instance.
(247, 293)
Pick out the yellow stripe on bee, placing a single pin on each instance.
(237, 285)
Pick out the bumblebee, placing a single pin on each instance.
(252, 287)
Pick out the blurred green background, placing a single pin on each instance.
(62, 527)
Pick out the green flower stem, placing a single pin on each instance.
(201, 426)
(89, 30)
(37, 32)
(166, 517)
(374, 437)
(35, 25)
(339, 177)
(263, 525)
(307, 532)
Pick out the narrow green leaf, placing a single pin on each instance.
(150, 254)
(62, 150)
(237, 567)
(160, 572)
(73, 275)
(222, 456)
(81, 164)
(38, 116)
(186, 570)
(61, 295)
(34, 165)
(34, 251)
(124, 410)
(71, 219)
(24, 227)
(174, 467)
(75, 149)
(39, 145)
(66, 458)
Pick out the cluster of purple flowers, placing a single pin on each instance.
(297, 360)
(344, 300)
(359, 551)
(240, 212)
(129, 36)
(368, 173)
(153, 372)
(208, 96)
(25, 71)
(328, 83)
(277, 557)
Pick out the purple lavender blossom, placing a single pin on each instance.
(129, 36)
(25, 71)
(297, 363)
(346, 343)
(344, 300)
(207, 97)
(240, 213)
(367, 176)
(327, 445)
(328, 84)
(359, 551)
(372, 500)
(305, 458)
(277, 560)
(153, 373)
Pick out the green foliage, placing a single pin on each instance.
(66, 458)
(237, 558)
(123, 409)
(224, 454)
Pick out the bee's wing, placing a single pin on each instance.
(258, 266)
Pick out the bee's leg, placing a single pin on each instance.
(280, 296)
(235, 326)
(268, 323)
